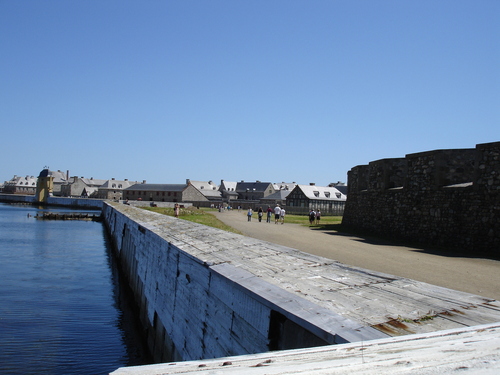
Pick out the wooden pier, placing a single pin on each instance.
(68, 216)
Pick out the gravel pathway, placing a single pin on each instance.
(473, 275)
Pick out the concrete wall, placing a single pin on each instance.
(448, 198)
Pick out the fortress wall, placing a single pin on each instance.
(17, 198)
(91, 204)
(196, 308)
(448, 198)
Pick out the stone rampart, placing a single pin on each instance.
(448, 198)
(91, 204)
(199, 296)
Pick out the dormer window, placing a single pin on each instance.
(338, 195)
(316, 193)
(327, 194)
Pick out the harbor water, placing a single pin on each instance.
(64, 307)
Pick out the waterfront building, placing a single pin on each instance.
(20, 185)
(81, 187)
(113, 189)
(44, 186)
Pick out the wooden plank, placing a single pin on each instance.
(466, 350)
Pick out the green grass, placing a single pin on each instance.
(200, 216)
(304, 220)
(203, 216)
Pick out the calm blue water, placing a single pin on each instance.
(63, 308)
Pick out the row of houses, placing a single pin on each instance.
(298, 198)
(65, 186)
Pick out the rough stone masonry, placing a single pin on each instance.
(446, 198)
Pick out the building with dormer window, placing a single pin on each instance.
(327, 199)
(113, 189)
(20, 185)
(208, 189)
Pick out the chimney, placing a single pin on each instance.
(312, 183)
(143, 181)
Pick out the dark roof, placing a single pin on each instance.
(279, 195)
(44, 173)
(252, 186)
(157, 187)
(341, 188)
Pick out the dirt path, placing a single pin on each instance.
(473, 275)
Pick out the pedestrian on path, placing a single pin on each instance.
(318, 217)
(312, 217)
(277, 213)
(282, 216)
(269, 213)
(249, 214)
(260, 212)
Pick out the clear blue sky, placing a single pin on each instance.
(242, 90)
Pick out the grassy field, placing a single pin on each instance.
(200, 216)
(204, 216)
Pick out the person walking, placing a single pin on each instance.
(269, 213)
(282, 216)
(312, 217)
(318, 217)
(277, 213)
(260, 212)
(176, 210)
(249, 214)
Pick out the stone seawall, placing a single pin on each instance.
(198, 301)
(92, 204)
(447, 198)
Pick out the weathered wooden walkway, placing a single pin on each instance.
(325, 292)
(471, 350)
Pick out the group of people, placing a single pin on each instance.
(314, 217)
(279, 214)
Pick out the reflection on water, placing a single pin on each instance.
(64, 308)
